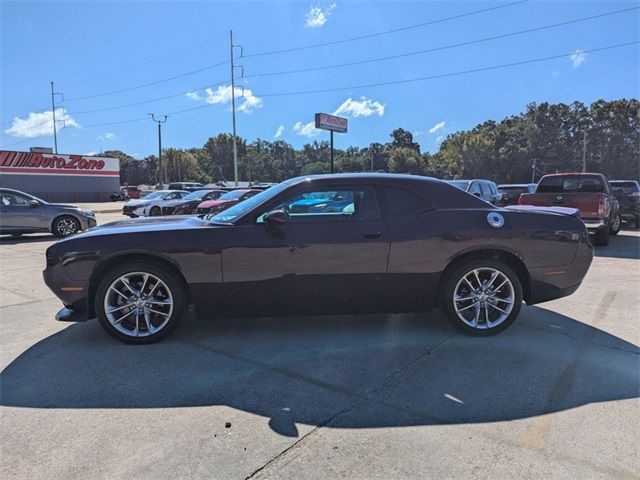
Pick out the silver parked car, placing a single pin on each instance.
(23, 213)
(485, 189)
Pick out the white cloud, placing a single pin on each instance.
(317, 17)
(194, 96)
(437, 126)
(279, 131)
(417, 133)
(106, 136)
(578, 58)
(39, 124)
(91, 153)
(365, 107)
(246, 101)
(306, 129)
(439, 138)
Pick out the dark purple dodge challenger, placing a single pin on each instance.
(401, 243)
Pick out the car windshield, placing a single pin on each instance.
(197, 195)
(238, 210)
(518, 189)
(461, 184)
(232, 195)
(155, 195)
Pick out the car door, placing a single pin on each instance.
(474, 189)
(18, 214)
(315, 262)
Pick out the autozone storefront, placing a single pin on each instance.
(60, 178)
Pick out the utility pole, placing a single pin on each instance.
(331, 136)
(53, 111)
(159, 122)
(533, 171)
(233, 105)
(584, 150)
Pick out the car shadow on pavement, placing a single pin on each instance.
(340, 371)
(621, 246)
(10, 240)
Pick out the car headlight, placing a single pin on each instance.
(87, 213)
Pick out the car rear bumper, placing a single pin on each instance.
(550, 283)
(593, 224)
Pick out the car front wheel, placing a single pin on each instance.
(65, 226)
(140, 302)
(154, 212)
(482, 297)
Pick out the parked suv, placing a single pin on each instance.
(484, 189)
(23, 213)
(188, 186)
(628, 194)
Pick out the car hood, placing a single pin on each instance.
(213, 203)
(137, 203)
(142, 225)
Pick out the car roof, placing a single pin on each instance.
(520, 185)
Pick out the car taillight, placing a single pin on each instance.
(601, 205)
(520, 201)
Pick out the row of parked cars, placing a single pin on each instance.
(602, 204)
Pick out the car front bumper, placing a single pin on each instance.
(593, 224)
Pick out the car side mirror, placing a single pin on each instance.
(34, 203)
(477, 194)
(618, 191)
(276, 217)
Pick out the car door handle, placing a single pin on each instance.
(371, 236)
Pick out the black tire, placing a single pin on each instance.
(172, 281)
(155, 212)
(455, 276)
(601, 237)
(615, 227)
(64, 226)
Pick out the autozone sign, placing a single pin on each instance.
(42, 163)
(331, 122)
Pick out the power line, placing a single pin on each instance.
(443, 75)
(166, 97)
(148, 84)
(386, 32)
(444, 47)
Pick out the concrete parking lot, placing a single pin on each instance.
(377, 396)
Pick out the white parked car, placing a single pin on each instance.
(151, 205)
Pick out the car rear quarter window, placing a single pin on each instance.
(400, 202)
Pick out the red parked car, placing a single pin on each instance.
(225, 201)
(588, 192)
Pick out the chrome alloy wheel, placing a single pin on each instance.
(138, 304)
(483, 298)
(66, 227)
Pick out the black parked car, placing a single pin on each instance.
(628, 194)
(511, 192)
(405, 243)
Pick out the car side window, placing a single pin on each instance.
(484, 188)
(400, 203)
(346, 204)
(474, 189)
(14, 200)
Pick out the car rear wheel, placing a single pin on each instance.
(601, 237)
(615, 225)
(154, 212)
(482, 297)
(65, 225)
(140, 303)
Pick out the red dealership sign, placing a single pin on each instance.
(331, 122)
(34, 162)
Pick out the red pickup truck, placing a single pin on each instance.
(588, 192)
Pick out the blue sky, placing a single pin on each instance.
(92, 48)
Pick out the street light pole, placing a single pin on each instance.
(233, 105)
(584, 151)
(53, 112)
(159, 122)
